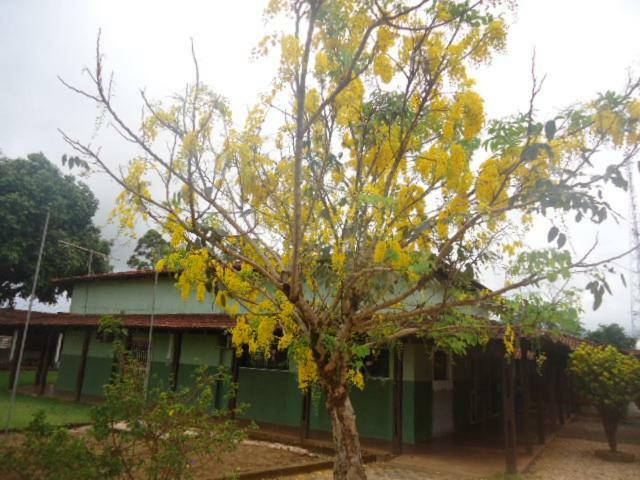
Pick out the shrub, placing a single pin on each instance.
(47, 452)
(609, 379)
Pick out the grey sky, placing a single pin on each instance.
(582, 46)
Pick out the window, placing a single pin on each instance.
(440, 365)
(377, 364)
(278, 360)
(139, 347)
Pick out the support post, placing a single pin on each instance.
(83, 364)
(305, 419)
(41, 357)
(14, 360)
(46, 360)
(175, 363)
(398, 373)
(235, 373)
(560, 393)
(526, 395)
(540, 408)
(509, 416)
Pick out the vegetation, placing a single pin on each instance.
(131, 436)
(27, 188)
(609, 380)
(367, 191)
(612, 334)
(150, 248)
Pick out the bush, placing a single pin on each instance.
(133, 435)
(47, 452)
(609, 379)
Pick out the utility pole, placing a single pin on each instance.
(634, 284)
(26, 323)
(150, 339)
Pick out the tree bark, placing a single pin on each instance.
(348, 464)
(610, 418)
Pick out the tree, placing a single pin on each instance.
(27, 188)
(366, 192)
(151, 247)
(612, 334)
(609, 379)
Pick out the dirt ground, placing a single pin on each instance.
(569, 456)
(250, 457)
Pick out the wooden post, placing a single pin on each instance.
(509, 416)
(46, 360)
(305, 419)
(175, 363)
(559, 393)
(526, 395)
(14, 360)
(235, 373)
(540, 407)
(398, 368)
(83, 363)
(40, 365)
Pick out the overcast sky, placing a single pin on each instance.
(582, 46)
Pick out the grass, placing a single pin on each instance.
(58, 412)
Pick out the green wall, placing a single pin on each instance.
(272, 396)
(70, 360)
(134, 296)
(98, 367)
(197, 350)
(417, 399)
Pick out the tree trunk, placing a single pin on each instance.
(610, 418)
(348, 463)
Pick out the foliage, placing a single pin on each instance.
(27, 188)
(607, 378)
(604, 375)
(611, 334)
(367, 191)
(48, 452)
(159, 436)
(150, 248)
(176, 428)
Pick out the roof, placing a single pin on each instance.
(107, 276)
(207, 321)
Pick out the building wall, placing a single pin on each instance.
(98, 368)
(417, 400)
(135, 296)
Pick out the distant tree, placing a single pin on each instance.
(151, 247)
(612, 334)
(27, 187)
(609, 379)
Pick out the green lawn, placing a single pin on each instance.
(58, 412)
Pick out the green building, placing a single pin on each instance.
(410, 397)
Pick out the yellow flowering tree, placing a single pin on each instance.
(609, 379)
(366, 191)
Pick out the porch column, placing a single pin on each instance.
(560, 391)
(305, 418)
(539, 385)
(83, 363)
(45, 361)
(235, 373)
(509, 416)
(526, 395)
(14, 358)
(398, 373)
(175, 360)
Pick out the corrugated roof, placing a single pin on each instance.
(212, 321)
